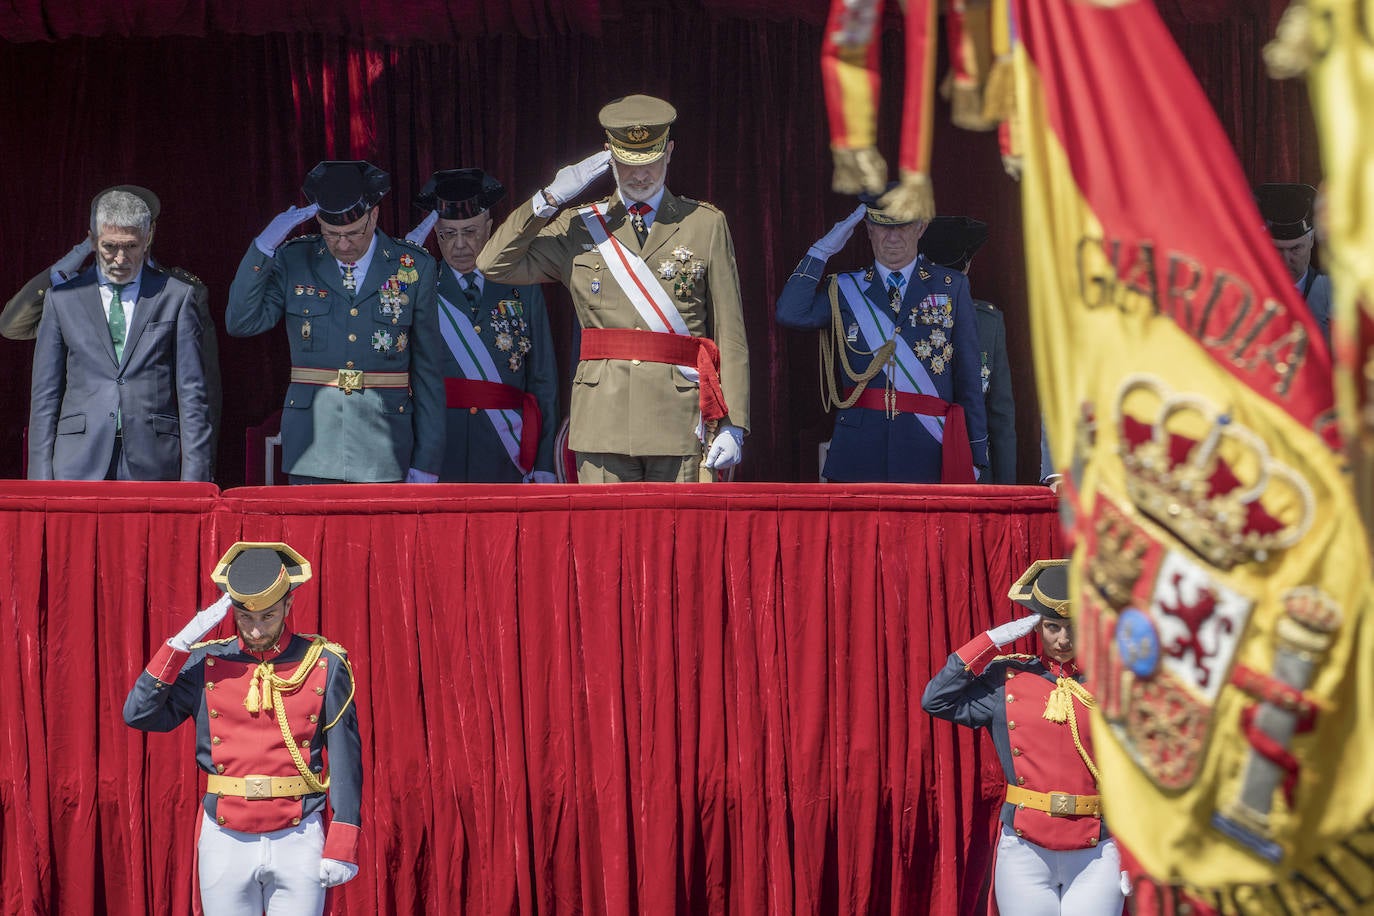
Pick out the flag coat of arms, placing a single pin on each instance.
(1220, 564)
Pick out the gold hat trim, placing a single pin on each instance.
(1026, 588)
(280, 586)
(637, 151)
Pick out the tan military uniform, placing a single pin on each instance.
(629, 407)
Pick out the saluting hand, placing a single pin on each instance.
(201, 624)
(1009, 633)
(281, 226)
(69, 265)
(572, 180)
(829, 245)
(418, 235)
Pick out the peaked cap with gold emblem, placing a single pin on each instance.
(1044, 588)
(637, 128)
(256, 574)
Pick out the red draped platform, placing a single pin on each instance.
(635, 699)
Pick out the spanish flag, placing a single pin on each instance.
(1220, 565)
(1333, 42)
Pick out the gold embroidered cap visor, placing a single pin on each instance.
(257, 574)
(637, 128)
(1044, 588)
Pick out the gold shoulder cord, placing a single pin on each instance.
(265, 686)
(832, 341)
(1059, 708)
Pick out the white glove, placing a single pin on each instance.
(418, 235)
(333, 872)
(572, 180)
(69, 265)
(540, 477)
(1009, 633)
(830, 244)
(415, 475)
(200, 624)
(281, 226)
(727, 449)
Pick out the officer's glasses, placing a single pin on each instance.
(353, 236)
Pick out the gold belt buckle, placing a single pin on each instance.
(350, 380)
(257, 788)
(1062, 804)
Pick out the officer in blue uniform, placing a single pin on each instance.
(951, 241)
(366, 400)
(903, 329)
(500, 375)
(1288, 213)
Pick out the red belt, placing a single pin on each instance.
(956, 456)
(655, 347)
(479, 395)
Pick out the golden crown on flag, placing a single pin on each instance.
(1210, 481)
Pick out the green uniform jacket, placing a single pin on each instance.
(997, 396)
(618, 406)
(368, 436)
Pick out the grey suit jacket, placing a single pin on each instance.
(159, 389)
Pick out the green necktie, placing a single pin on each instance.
(117, 329)
(470, 288)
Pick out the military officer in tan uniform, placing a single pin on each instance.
(19, 320)
(662, 389)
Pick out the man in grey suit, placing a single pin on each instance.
(366, 400)
(500, 375)
(21, 315)
(119, 389)
(1287, 212)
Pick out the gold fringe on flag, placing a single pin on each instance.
(912, 199)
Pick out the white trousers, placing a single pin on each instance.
(249, 874)
(1031, 880)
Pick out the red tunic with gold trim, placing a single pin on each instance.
(1008, 694)
(239, 736)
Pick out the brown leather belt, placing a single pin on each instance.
(350, 380)
(1055, 804)
(257, 788)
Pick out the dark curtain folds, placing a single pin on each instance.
(611, 700)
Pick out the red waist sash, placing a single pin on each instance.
(477, 395)
(655, 347)
(956, 456)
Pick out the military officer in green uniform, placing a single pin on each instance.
(366, 399)
(500, 375)
(19, 320)
(664, 373)
(951, 241)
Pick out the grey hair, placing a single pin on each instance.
(121, 210)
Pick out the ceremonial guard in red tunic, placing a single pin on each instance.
(277, 732)
(1055, 856)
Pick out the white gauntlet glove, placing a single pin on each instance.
(727, 449)
(830, 244)
(69, 265)
(333, 872)
(418, 235)
(572, 180)
(1009, 633)
(281, 226)
(200, 624)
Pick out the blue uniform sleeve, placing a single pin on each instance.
(804, 303)
(426, 370)
(160, 705)
(968, 380)
(956, 695)
(344, 747)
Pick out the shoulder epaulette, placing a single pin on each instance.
(312, 237)
(405, 241)
(1015, 657)
(986, 306)
(184, 275)
(214, 642)
(329, 645)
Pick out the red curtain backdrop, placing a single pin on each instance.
(221, 108)
(596, 699)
